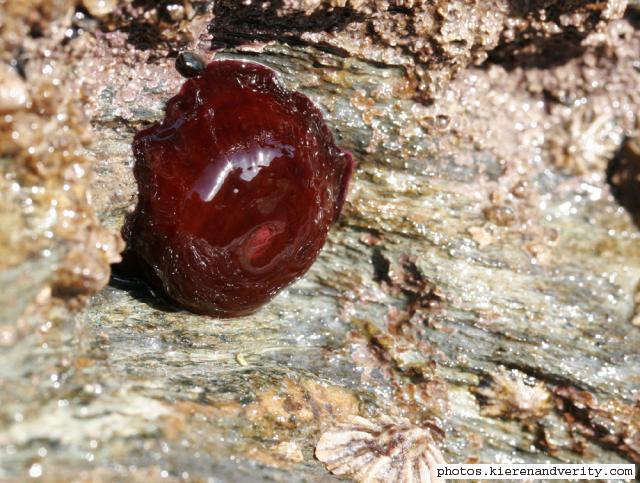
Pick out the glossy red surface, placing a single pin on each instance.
(238, 187)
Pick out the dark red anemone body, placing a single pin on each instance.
(238, 187)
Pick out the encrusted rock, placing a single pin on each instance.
(433, 39)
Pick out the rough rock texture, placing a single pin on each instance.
(432, 39)
(51, 242)
(482, 282)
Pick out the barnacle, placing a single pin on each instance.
(385, 449)
(587, 141)
(510, 395)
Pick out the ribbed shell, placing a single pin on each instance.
(386, 449)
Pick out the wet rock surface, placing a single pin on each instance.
(481, 284)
